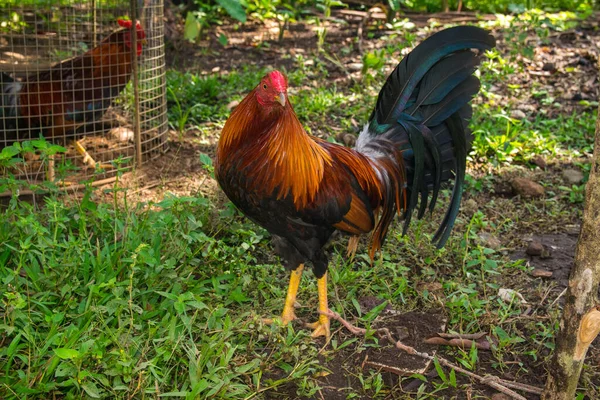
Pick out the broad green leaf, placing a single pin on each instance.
(192, 28)
(66, 354)
(8, 152)
(91, 389)
(205, 159)
(234, 9)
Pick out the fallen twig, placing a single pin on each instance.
(458, 342)
(558, 298)
(489, 380)
(470, 336)
(519, 386)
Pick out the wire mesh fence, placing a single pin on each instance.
(84, 75)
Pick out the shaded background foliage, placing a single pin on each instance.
(200, 14)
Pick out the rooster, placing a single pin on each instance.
(72, 93)
(301, 188)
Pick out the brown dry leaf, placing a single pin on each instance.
(429, 286)
(541, 273)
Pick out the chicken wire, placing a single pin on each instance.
(131, 126)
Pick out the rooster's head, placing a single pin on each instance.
(141, 35)
(271, 92)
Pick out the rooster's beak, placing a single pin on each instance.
(144, 42)
(281, 99)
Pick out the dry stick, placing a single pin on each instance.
(468, 336)
(492, 381)
(558, 298)
(458, 342)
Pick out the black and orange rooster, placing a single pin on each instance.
(301, 189)
(72, 93)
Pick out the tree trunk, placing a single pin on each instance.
(580, 321)
(445, 6)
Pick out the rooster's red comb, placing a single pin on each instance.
(278, 80)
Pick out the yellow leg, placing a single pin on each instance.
(87, 159)
(288, 308)
(321, 327)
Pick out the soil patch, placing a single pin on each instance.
(557, 255)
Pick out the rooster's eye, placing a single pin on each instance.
(265, 86)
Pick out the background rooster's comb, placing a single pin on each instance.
(125, 23)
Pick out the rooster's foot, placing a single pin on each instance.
(87, 158)
(321, 327)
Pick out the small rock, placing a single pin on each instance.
(216, 69)
(517, 114)
(583, 61)
(528, 188)
(122, 134)
(347, 139)
(541, 273)
(355, 66)
(509, 295)
(489, 240)
(308, 63)
(539, 161)
(535, 249)
(572, 176)
(232, 104)
(550, 67)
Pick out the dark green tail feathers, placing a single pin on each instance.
(423, 108)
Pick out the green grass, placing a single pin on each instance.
(192, 98)
(117, 300)
(108, 300)
(500, 139)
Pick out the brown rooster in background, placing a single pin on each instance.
(301, 188)
(71, 94)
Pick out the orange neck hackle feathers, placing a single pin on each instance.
(266, 139)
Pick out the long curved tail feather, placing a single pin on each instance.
(422, 113)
